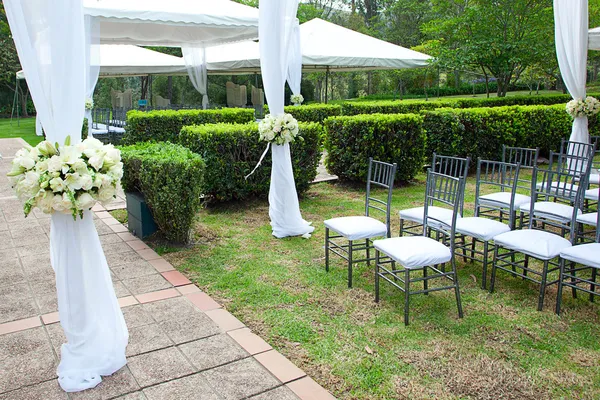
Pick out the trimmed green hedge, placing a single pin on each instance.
(171, 178)
(312, 112)
(165, 125)
(232, 150)
(351, 140)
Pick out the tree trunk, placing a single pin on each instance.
(144, 90)
(487, 86)
(23, 97)
(369, 82)
(456, 78)
(170, 88)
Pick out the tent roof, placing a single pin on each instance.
(324, 45)
(594, 39)
(128, 60)
(173, 22)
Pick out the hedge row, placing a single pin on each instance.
(312, 112)
(165, 125)
(351, 140)
(171, 179)
(232, 150)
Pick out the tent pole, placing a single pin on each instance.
(326, 84)
(15, 98)
(17, 88)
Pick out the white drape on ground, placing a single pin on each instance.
(294, 73)
(276, 21)
(39, 131)
(49, 37)
(571, 35)
(92, 61)
(195, 63)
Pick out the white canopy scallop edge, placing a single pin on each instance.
(594, 39)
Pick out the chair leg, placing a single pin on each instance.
(425, 283)
(350, 263)
(525, 266)
(464, 248)
(560, 286)
(473, 244)
(327, 249)
(376, 276)
(494, 262)
(521, 218)
(592, 285)
(457, 290)
(401, 228)
(485, 265)
(543, 286)
(368, 252)
(406, 294)
(573, 280)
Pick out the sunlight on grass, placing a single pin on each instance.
(24, 128)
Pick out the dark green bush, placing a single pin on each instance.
(232, 150)
(165, 125)
(351, 140)
(312, 112)
(171, 178)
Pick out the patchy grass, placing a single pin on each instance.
(503, 348)
(24, 128)
(120, 215)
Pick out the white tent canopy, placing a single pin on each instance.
(173, 23)
(594, 39)
(324, 46)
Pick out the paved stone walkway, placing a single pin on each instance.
(182, 344)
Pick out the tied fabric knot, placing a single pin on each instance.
(259, 161)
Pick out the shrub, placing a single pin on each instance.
(171, 178)
(312, 112)
(232, 150)
(165, 125)
(351, 140)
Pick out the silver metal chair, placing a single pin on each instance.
(362, 228)
(422, 253)
(497, 177)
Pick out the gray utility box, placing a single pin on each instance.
(139, 217)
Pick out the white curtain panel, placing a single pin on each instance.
(276, 22)
(294, 74)
(571, 35)
(195, 63)
(49, 37)
(92, 61)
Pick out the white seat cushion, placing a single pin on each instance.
(356, 228)
(586, 254)
(539, 244)
(503, 199)
(117, 129)
(418, 213)
(550, 210)
(414, 251)
(588, 219)
(99, 131)
(594, 179)
(592, 194)
(481, 228)
(556, 185)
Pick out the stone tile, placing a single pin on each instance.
(278, 365)
(20, 233)
(132, 396)
(155, 296)
(32, 249)
(19, 291)
(13, 308)
(50, 318)
(11, 272)
(143, 339)
(112, 248)
(159, 366)
(137, 244)
(49, 390)
(145, 284)
(26, 358)
(251, 342)
(110, 221)
(225, 320)
(136, 316)
(281, 393)
(212, 351)
(57, 336)
(133, 269)
(122, 258)
(44, 287)
(190, 327)
(121, 382)
(127, 237)
(113, 238)
(19, 325)
(187, 289)
(240, 379)
(203, 301)
(148, 254)
(40, 239)
(127, 301)
(102, 228)
(8, 254)
(103, 214)
(120, 289)
(308, 389)
(161, 265)
(98, 207)
(119, 228)
(6, 241)
(37, 267)
(176, 278)
(48, 303)
(3, 226)
(193, 387)
(165, 310)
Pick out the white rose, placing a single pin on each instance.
(46, 202)
(57, 185)
(116, 171)
(66, 202)
(57, 203)
(85, 201)
(26, 161)
(106, 194)
(92, 144)
(97, 161)
(54, 164)
(86, 182)
(29, 185)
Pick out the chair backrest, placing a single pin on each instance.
(497, 176)
(578, 156)
(526, 158)
(595, 141)
(100, 116)
(383, 175)
(443, 191)
(450, 165)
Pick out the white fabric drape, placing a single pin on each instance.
(294, 74)
(39, 131)
(571, 35)
(276, 21)
(92, 61)
(195, 63)
(49, 37)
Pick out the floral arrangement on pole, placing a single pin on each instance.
(280, 129)
(89, 104)
(68, 179)
(583, 108)
(297, 99)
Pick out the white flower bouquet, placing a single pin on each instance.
(89, 104)
(583, 108)
(280, 129)
(297, 98)
(68, 179)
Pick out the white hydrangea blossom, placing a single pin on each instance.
(89, 104)
(297, 98)
(280, 129)
(67, 179)
(583, 108)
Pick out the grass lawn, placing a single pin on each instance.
(502, 348)
(25, 128)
